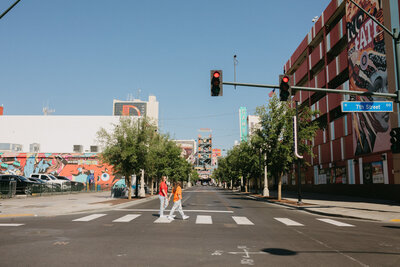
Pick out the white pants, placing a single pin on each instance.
(177, 205)
(162, 203)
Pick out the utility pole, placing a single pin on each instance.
(296, 153)
(266, 190)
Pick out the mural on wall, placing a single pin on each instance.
(367, 72)
(77, 167)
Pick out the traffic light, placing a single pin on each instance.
(395, 140)
(284, 87)
(216, 83)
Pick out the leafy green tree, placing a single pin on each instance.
(157, 162)
(126, 147)
(276, 135)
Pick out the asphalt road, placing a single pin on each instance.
(224, 229)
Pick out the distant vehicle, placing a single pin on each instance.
(37, 180)
(72, 184)
(50, 179)
(24, 185)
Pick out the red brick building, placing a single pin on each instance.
(347, 50)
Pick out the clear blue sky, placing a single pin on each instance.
(78, 55)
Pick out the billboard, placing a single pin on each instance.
(216, 152)
(188, 149)
(127, 108)
(367, 72)
(243, 123)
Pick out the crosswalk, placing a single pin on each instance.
(197, 219)
(208, 220)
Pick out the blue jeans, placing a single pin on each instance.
(162, 203)
(177, 205)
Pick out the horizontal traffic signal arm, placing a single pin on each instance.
(314, 89)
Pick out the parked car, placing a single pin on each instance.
(74, 185)
(24, 185)
(44, 187)
(50, 179)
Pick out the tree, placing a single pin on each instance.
(276, 133)
(126, 147)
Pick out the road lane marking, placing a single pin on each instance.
(336, 222)
(203, 219)
(127, 218)
(395, 220)
(11, 224)
(162, 220)
(288, 222)
(16, 215)
(89, 218)
(211, 191)
(153, 210)
(242, 220)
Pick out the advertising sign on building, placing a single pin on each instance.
(243, 123)
(188, 148)
(216, 152)
(126, 108)
(367, 72)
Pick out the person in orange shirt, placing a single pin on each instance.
(177, 193)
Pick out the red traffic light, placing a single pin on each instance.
(216, 74)
(285, 79)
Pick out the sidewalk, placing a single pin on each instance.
(339, 206)
(54, 205)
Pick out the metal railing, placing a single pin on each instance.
(7, 189)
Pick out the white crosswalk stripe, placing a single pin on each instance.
(89, 218)
(127, 218)
(162, 220)
(242, 220)
(203, 219)
(200, 219)
(11, 224)
(288, 222)
(337, 223)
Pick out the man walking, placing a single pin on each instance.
(163, 194)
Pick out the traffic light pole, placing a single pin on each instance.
(299, 202)
(322, 90)
(5, 12)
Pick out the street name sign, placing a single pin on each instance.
(367, 106)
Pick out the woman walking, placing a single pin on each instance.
(177, 193)
(163, 195)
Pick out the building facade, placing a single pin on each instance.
(346, 50)
(63, 145)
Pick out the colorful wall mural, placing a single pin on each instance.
(368, 72)
(76, 166)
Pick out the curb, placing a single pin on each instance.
(305, 208)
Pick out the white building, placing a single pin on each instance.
(253, 123)
(61, 134)
(54, 134)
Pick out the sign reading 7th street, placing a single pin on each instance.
(366, 106)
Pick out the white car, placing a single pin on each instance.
(51, 179)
